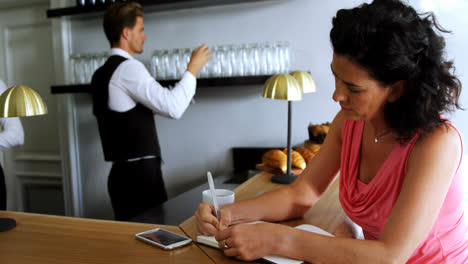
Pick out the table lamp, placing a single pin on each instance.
(19, 101)
(288, 87)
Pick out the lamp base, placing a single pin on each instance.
(7, 224)
(284, 178)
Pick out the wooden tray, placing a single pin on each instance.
(275, 171)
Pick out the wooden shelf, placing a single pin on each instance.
(201, 82)
(153, 6)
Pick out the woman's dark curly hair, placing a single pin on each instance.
(393, 42)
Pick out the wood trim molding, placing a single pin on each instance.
(38, 165)
(40, 176)
(34, 179)
(30, 156)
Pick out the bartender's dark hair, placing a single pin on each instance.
(118, 16)
(393, 42)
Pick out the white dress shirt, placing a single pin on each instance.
(131, 83)
(11, 129)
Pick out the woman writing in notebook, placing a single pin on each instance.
(398, 157)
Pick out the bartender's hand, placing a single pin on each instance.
(207, 223)
(199, 59)
(251, 241)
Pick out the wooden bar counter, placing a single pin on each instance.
(327, 213)
(56, 239)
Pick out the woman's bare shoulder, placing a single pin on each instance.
(439, 144)
(336, 126)
(444, 136)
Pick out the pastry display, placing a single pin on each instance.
(300, 157)
(314, 148)
(317, 133)
(296, 159)
(275, 158)
(306, 153)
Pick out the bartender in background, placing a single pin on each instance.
(125, 99)
(11, 135)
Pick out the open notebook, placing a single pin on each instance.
(211, 241)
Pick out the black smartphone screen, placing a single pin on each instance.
(164, 237)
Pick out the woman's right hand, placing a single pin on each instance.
(207, 223)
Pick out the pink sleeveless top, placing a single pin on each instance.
(369, 205)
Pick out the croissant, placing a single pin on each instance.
(314, 148)
(306, 153)
(325, 128)
(275, 158)
(296, 159)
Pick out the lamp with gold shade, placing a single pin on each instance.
(288, 87)
(19, 101)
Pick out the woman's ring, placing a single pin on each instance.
(225, 245)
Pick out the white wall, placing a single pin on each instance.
(226, 117)
(451, 15)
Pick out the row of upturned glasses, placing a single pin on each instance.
(93, 2)
(226, 61)
(84, 65)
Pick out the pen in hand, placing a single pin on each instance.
(215, 202)
(213, 194)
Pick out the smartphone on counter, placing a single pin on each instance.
(163, 238)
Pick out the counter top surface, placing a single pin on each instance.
(41, 238)
(57, 239)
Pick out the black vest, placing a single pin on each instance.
(124, 135)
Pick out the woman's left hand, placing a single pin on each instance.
(250, 241)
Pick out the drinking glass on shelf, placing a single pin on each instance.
(277, 58)
(72, 62)
(95, 59)
(226, 66)
(81, 77)
(160, 71)
(175, 57)
(184, 58)
(103, 58)
(255, 56)
(204, 72)
(248, 59)
(166, 62)
(214, 69)
(208, 69)
(262, 59)
(287, 56)
(270, 58)
(238, 68)
(155, 60)
(174, 63)
(89, 67)
(83, 68)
